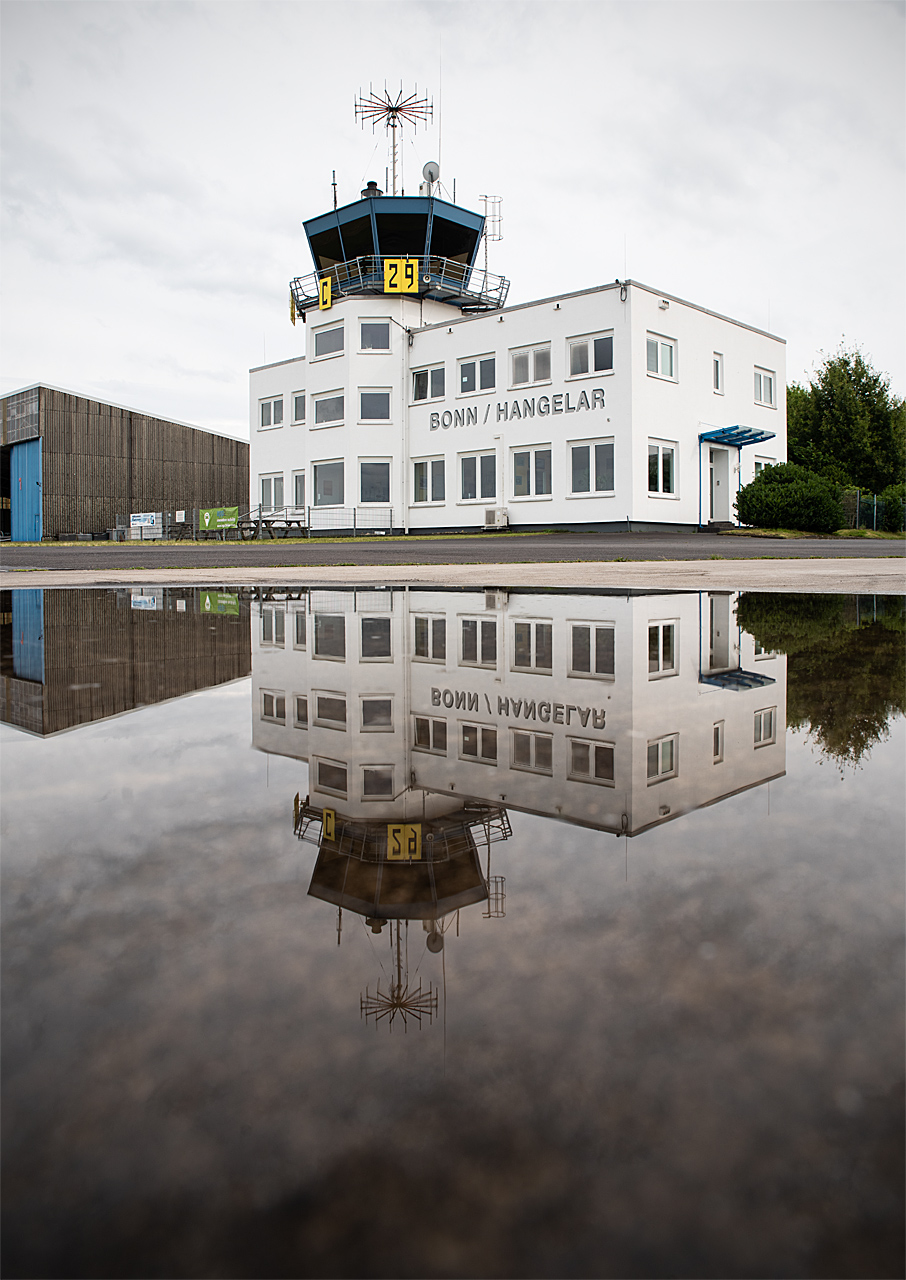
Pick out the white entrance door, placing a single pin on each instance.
(720, 485)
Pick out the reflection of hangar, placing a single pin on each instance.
(71, 465)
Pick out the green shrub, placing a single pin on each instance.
(893, 498)
(789, 497)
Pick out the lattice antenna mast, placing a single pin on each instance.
(393, 112)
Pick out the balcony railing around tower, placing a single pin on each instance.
(443, 279)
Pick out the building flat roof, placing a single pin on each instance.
(128, 408)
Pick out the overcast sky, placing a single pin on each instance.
(158, 159)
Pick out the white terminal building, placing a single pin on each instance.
(422, 402)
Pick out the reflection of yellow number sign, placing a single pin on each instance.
(329, 824)
(324, 302)
(400, 275)
(404, 841)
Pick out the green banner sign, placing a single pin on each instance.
(218, 602)
(218, 517)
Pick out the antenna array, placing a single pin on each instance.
(392, 112)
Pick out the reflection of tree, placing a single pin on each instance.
(846, 663)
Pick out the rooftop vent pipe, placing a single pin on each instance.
(371, 191)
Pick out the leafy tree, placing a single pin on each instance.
(846, 663)
(789, 497)
(846, 425)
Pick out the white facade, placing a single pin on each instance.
(586, 409)
(610, 711)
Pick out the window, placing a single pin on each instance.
(377, 714)
(591, 650)
(374, 406)
(591, 355)
(661, 648)
(533, 646)
(430, 735)
(273, 706)
(299, 488)
(765, 726)
(300, 636)
(431, 471)
(479, 642)
(429, 384)
(298, 406)
(533, 751)
(661, 356)
(271, 493)
(477, 375)
(330, 636)
(300, 719)
(591, 467)
(479, 743)
(375, 481)
(431, 639)
(717, 372)
(273, 626)
(328, 342)
(717, 742)
(761, 463)
(328, 484)
(375, 639)
(479, 476)
(330, 710)
(377, 781)
(662, 758)
(375, 335)
(331, 776)
(764, 387)
(531, 365)
(328, 410)
(531, 473)
(661, 468)
(270, 414)
(591, 762)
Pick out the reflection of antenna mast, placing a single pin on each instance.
(493, 222)
(392, 112)
(409, 1002)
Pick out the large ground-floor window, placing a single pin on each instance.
(329, 490)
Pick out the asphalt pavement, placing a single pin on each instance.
(553, 548)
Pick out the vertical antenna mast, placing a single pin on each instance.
(493, 222)
(392, 112)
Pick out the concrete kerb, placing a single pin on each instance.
(857, 576)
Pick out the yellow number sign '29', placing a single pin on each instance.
(400, 275)
(404, 841)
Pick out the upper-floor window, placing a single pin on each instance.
(430, 735)
(533, 751)
(591, 761)
(661, 467)
(479, 743)
(532, 364)
(329, 342)
(533, 646)
(377, 715)
(330, 711)
(429, 384)
(329, 410)
(661, 648)
(479, 642)
(273, 706)
(375, 335)
(479, 476)
(271, 413)
(300, 718)
(298, 406)
(377, 781)
(764, 387)
(765, 726)
(591, 467)
(717, 372)
(591, 650)
(332, 776)
(717, 742)
(660, 355)
(432, 470)
(477, 375)
(531, 472)
(431, 638)
(663, 758)
(374, 406)
(591, 355)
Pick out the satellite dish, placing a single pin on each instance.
(431, 171)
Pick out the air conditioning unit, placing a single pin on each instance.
(496, 518)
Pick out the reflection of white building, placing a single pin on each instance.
(611, 711)
(445, 409)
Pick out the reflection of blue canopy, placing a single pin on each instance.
(736, 436)
(737, 679)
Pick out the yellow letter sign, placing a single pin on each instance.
(324, 302)
(329, 824)
(400, 275)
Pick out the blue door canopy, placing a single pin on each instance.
(736, 436)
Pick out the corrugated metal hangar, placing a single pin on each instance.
(70, 465)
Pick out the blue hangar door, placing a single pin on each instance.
(25, 491)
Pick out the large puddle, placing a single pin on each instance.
(452, 933)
